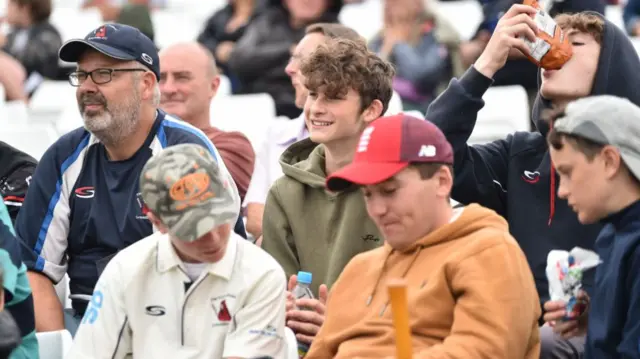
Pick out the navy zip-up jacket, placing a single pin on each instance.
(81, 208)
(514, 176)
(614, 314)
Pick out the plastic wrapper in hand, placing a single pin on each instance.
(552, 48)
(564, 273)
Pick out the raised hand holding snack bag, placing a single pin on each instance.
(564, 273)
(552, 48)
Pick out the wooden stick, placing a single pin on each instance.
(400, 311)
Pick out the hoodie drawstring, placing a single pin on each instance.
(552, 194)
(373, 293)
(375, 286)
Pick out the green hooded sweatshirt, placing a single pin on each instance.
(307, 228)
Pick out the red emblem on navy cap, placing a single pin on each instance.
(101, 32)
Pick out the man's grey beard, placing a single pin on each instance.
(117, 121)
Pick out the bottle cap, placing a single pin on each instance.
(304, 277)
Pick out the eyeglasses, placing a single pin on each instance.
(98, 76)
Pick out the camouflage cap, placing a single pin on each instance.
(186, 189)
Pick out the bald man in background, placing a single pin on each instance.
(189, 81)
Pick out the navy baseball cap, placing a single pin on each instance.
(118, 41)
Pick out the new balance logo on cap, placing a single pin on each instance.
(427, 151)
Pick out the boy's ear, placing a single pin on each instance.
(445, 181)
(373, 112)
(612, 161)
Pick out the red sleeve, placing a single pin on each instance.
(238, 155)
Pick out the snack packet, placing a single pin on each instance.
(551, 49)
(564, 273)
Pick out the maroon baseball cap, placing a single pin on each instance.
(388, 146)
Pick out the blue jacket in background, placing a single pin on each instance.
(614, 314)
(420, 68)
(631, 15)
(19, 301)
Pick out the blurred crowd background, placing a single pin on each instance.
(252, 40)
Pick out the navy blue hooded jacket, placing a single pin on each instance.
(614, 315)
(514, 176)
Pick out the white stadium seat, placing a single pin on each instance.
(225, 86)
(369, 25)
(171, 27)
(636, 43)
(613, 13)
(34, 139)
(52, 97)
(464, 15)
(16, 112)
(395, 105)
(54, 345)
(292, 344)
(250, 114)
(506, 110)
(74, 22)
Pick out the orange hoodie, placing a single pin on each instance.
(470, 294)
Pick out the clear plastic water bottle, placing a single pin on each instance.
(300, 291)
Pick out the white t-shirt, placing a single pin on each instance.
(146, 305)
(267, 168)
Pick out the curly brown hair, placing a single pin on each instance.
(585, 22)
(341, 64)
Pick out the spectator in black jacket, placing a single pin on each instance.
(226, 27)
(16, 168)
(515, 176)
(261, 55)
